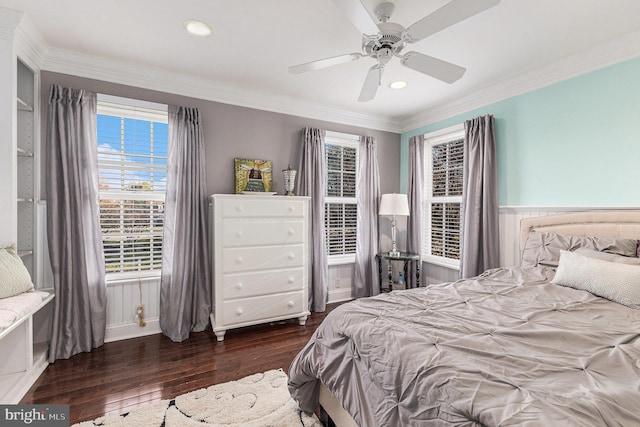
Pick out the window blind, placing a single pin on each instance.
(341, 213)
(445, 230)
(447, 161)
(341, 171)
(132, 167)
(443, 198)
(340, 221)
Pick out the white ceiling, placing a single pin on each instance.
(255, 41)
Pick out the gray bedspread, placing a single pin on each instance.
(505, 348)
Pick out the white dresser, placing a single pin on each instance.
(260, 250)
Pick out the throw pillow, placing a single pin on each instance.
(616, 282)
(14, 277)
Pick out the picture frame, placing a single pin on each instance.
(253, 175)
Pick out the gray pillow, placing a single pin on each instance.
(608, 257)
(614, 281)
(544, 248)
(14, 277)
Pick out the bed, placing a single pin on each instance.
(514, 346)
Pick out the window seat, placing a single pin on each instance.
(24, 342)
(16, 309)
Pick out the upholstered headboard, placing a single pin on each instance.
(594, 223)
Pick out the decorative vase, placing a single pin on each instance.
(289, 180)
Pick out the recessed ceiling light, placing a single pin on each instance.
(197, 28)
(398, 85)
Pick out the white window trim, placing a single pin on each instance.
(139, 110)
(132, 276)
(350, 141)
(118, 106)
(431, 139)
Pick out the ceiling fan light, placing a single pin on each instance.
(398, 85)
(197, 28)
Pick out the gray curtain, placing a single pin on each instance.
(416, 194)
(367, 279)
(480, 235)
(73, 223)
(185, 290)
(310, 181)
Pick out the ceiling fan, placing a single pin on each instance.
(385, 40)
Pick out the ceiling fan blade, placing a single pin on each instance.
(371, 83)
(324, 63)
(449, 14)
(358, 15)
(434, 67)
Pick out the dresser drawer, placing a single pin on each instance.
(260, 233)
(262, 258)
(263, 307)
(262, 207)
(241, 285)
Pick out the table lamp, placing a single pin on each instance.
(394, 205)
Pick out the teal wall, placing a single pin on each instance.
(574, 143)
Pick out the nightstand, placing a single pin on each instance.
(405, 257)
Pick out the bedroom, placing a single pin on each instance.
(552, 116)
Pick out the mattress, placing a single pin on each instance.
(505, 348)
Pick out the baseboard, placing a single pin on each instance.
(339, 295)
(132, 330)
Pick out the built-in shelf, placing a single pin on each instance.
(24, 153)
(23, 352)
(26, 166)
(23, 106)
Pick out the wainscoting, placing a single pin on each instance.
(509, 219)
(341, 279)
(124, 297)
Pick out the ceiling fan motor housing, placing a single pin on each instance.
(390, 38)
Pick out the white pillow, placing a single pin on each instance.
(614, 281)
(14, 277)
(606, 256)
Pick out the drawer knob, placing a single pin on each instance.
(239, 311)
(239, 234)
(239, 208)
(239, 260)
(291, 209)
(291, 303)
(291, 280)
(239, 285)
(291, 232)
(291, 256)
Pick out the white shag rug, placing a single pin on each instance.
(259, 400)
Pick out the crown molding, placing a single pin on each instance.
(9, 20)
(599, 56)
(30, 46)
(41, 56)
(28, 43)
(74, 63)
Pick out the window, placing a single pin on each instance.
(132, 169)
(340, 206)
(444, 152)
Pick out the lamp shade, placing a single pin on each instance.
(394, 205)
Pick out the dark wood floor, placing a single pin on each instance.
(122, 375)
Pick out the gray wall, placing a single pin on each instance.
(232, 131)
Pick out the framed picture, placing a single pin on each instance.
(253, 175)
